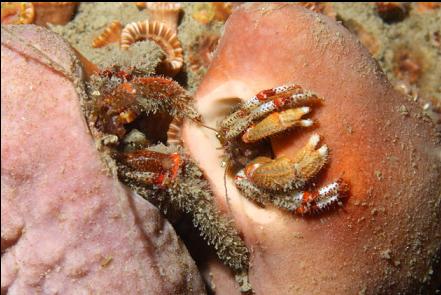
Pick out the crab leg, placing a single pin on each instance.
(250, 104)
(279, 93)
(317, 201)
(255, 101)
(300, 202)
(151, 167)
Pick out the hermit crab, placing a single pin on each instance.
(278, 181)
(129, 109)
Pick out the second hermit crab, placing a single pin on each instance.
(129, 110)
(278, 181)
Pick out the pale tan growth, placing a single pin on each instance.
(161, 34)
(165, 12)
(110, 35)
(17, 13)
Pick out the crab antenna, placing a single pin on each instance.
(225, 186)
(208, 127)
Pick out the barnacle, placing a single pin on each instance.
(140, 5)
(161, 34)
(205, 13)
(39, 13)
(111, 34)
(174, 132)
(222, 10)
(17, 13)
(164, 12)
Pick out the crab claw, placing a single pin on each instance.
(276, 123)
(309, 160)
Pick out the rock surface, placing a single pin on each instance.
(67, 225)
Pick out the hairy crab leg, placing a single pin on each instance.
(182, 185)
(276, 123)
(319, 200)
